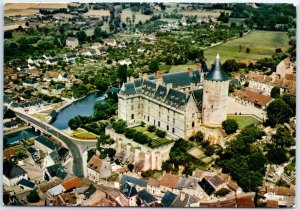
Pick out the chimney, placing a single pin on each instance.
(127, 79)
(169, 86)
(159, 74)
(131, 79)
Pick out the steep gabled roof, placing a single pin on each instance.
(133, 180)
(11, 170)
(168, 199)
(146, 196)
(128, 190)
(176, 98)
(206, 186)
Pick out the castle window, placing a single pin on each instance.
(131, 107)
(212, 106)
(158, 123)
(173, 130)
(154, 121)
(173, 120)
(167, 127)
(158, 114)
(148, 118)
(193, 124)
(168, 118)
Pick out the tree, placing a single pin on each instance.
(160, 133)
(194, 53)
(278, 112)
(247, 50)
(291, 101)
(8, 35)
(122, 73)
(199, 137)
(74, 123)
(275, 154)
(81, 35)
(230, 66)
(130, 167)
(153, 66)
(167, 166)
(283, 138)
(209, 150)
(151, 128)
(230, 126)
(275, 92)
(33, 197)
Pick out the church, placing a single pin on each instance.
(178, 103)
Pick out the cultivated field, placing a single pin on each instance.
(25, 9)
(97, 13)
(261, 44)
(138, 16)
(203, 13)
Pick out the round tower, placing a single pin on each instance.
(215, 95)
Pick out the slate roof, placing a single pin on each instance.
(26, 183)
(148, 87)
(46, 142)
(133, 180)
(197, 94)
(185, 201)
(183, 78)
(216, 73)
(206, 186)
(161, 92)
(57, 170)
(168, 199)
(90, 191)
(146, 196)
(129, 88)
(62, 152)
(11, 170)
(128, 190)
(176, 98)
(55, 156)
(54, 60)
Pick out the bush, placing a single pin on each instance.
(222, 192)
(129, 133)
(151, 128)
(33, 197)
(160, 133)
(230, 126)
(119, 126)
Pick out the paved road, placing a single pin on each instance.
(75, 151)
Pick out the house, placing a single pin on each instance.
(285, 67)
(168, 199)
(45, 144)
(63, 154)
(54, 61)
(51, 159)
(63, 187)
(98, 168)
(146, 198)
(245, 200)
(54, 171)
(65, 199)
(153, 186)
(207, 187)
(72, 42)
(126, 62)
(129, 188)
(251, 97)
(26, 184)
(110, 42)
(12, 173)
(70, 58)
(169, 182)
(96, 45)
(185, 200)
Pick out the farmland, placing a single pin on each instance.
(261, 44)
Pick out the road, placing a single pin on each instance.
(74, 149)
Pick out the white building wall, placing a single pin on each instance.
(215, 95)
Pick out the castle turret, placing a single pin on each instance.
(215, 95)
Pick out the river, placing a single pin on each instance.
(83, 107)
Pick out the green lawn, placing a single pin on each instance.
(156, 141)
(244, 121)
(261, 44)
(80, 133)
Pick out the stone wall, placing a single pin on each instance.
(133, 152)
(215, 95)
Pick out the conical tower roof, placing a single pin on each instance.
(217, 74)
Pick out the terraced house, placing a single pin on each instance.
(178, 103)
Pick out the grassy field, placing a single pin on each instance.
(204, 13)
(261, 44)
(23, 9)
(156, 141)
(244, 121)
(82, 134)
(138, 16)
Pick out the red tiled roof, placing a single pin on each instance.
(253, 97)
(170, 180)
(272, 204)
(245, 201)
(72, 183)
(282, 191)
(10, 152)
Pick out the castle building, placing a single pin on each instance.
(178, 103)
